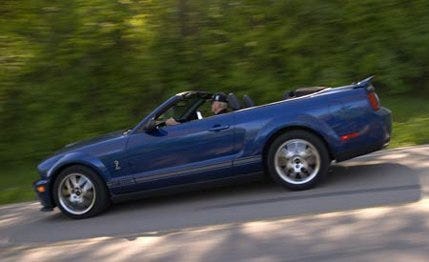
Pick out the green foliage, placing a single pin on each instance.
(74, 69)
(410, 120)
(16, 181)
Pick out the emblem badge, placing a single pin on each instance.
(117, 166)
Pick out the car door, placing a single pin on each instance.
(190, 152)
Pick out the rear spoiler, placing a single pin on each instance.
(364, 83)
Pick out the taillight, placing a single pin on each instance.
(349, 136)
(374, 101)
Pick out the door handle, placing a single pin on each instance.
(216, 128)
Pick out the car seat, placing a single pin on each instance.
(248, 102)
(233, 102)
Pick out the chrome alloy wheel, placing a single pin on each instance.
(297, 161)
(76, 193)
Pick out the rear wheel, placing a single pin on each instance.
(298, 160)
(80, 193)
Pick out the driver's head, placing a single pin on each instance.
(219, 102)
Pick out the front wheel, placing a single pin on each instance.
(298, 160)
(80, 193)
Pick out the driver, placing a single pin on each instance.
(219, 106)
(219, 103)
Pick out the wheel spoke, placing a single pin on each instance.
(282, 161)
(292, 174)
(310, 169)
(285, 153)
(66, 192)
(74, 181)
(305, 152)
(292, 148)
(82, 181)
(68, 187)
(300, 148)
(87, 187)
(87, 198)
(304, 173)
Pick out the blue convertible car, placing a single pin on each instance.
(293, 141)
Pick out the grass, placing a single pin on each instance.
(16, 183)
(410, 127)
(410, 120)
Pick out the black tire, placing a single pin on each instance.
(292, 170)
(97, 194)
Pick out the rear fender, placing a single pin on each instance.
(304, 121)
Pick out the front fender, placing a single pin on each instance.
(59, 162)
(79, 158)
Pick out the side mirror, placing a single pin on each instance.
(150, 125)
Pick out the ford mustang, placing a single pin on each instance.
(293, 141)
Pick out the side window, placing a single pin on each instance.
(205, 109)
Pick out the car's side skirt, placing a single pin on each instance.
(240, 178)
(143, 181)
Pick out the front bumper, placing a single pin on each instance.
(41, 187)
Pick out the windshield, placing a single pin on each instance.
(181, 110)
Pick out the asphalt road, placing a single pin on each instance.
(372, 207)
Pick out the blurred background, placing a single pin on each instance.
(71, 70)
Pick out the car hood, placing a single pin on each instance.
(46, 164)
(91, 141)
